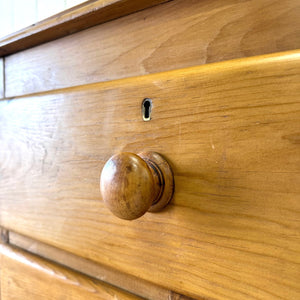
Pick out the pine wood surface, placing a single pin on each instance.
(127, 282)
(230, 132)
(82, 16)
(1, 79)
(177, 34)
(25, 276)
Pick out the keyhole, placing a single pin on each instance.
(146, 109)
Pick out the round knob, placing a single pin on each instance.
(133, 184)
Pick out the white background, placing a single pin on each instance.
(18, 14)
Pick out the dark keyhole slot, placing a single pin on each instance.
(146, 107)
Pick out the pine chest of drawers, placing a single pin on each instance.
(223, 79)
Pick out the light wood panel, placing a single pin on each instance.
(72, 20)
(25, 276)
(177, 34)
(230, 131)
(1, 79)
(129, 283)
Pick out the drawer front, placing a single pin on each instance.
(231, 134)
(25, 276)
(177, 34)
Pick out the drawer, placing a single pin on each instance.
(25, 276)
(173, 35)
(230, 132)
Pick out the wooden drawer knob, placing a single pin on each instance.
(133, 184)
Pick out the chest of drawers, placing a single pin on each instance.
(225, 114)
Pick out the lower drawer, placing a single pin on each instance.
(25, 276)
(230, 131)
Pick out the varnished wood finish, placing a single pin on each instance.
(177, 34)
(1, 79)
(131, 184)
(77, 18)
(128, 186)
(229, 130)
(166, 177)
(25, 276)
(130, 283)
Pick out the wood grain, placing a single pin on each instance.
(132, 184)
(177, 34)
(126, 282)
(1, 78)
(25, 276)
(230, 131)
(85, 15)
